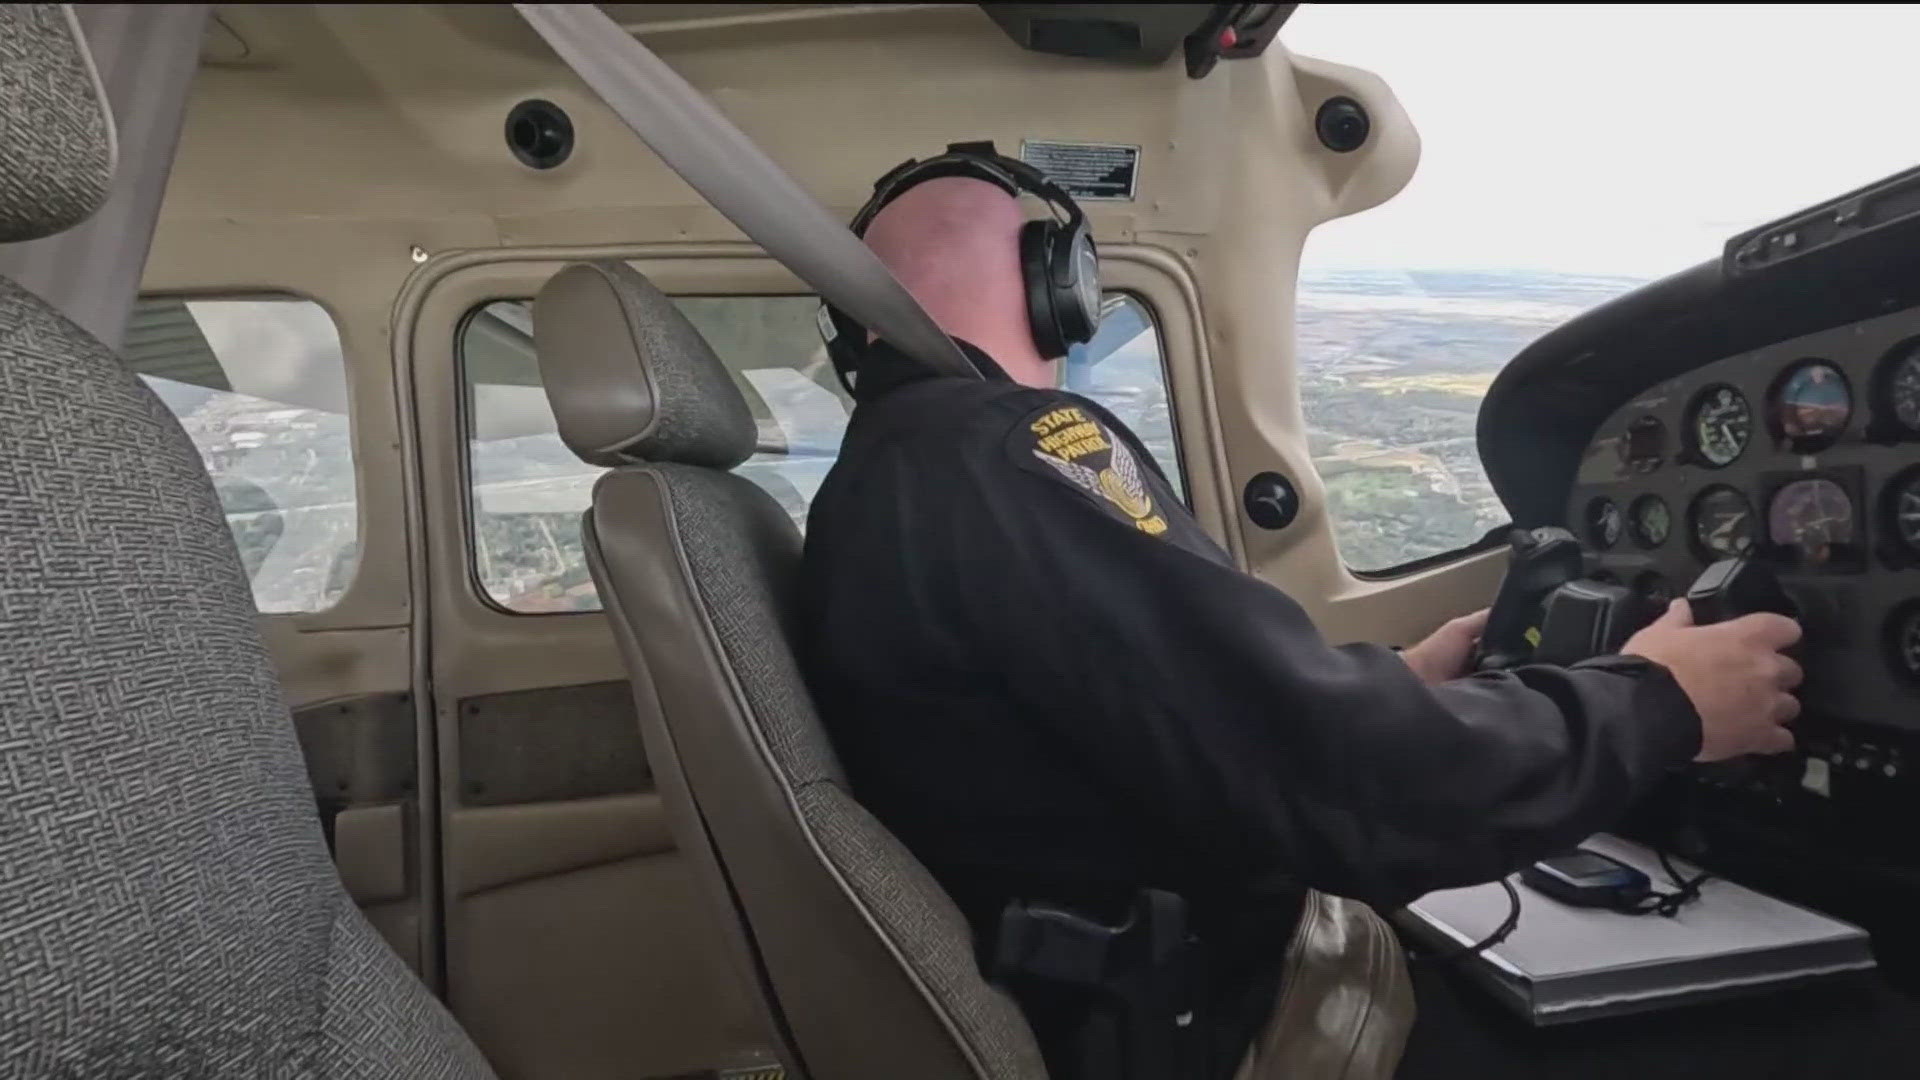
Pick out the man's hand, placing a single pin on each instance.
(1734, 675)
(1446, 652)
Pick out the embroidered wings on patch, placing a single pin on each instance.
(1079, 449)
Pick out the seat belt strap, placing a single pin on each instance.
(740, 180)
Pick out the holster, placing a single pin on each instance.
(1116, 1002)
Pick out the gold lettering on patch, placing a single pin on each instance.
(1068, 436)
(1058, 419)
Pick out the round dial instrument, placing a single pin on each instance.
(1900, 388)
(1719, 423)
(1902, 509)
(1902, 637)
(1603, 523)
(1811, 518)
(1721, 521)
(1811, 405)
(1649, 520)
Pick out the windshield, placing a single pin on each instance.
(1568, 154)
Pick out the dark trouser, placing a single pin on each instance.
(1857, 1028)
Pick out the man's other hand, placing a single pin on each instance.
(1734, 675)
(1447, 651)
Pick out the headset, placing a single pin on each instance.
(1059, 263)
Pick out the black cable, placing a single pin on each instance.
(1687, 890)
(1668, 904)
(1689, 886)
(1500, 933)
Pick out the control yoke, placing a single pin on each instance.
(1538, 562)
(1547, 613)
(1731, 588)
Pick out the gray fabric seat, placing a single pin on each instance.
(167, 906)
(863, 963)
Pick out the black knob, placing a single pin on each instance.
(1342, 124)
(539, 133)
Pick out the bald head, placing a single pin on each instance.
(954, 242)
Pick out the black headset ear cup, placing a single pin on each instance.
(1076, 308)
(1036, 272)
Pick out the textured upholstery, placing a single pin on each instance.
(744, 556)
(167, 906)
(630, 378)
(866, 960)
(911, 909)
(863, 961)
(56, 138)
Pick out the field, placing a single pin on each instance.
(1393, 366)
(1392, 369)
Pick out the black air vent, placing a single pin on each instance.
(1097, 38)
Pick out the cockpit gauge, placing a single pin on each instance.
(1603, 523)
(1899, 389)
(1812, 520)
(1654, 587)
(1645, 445)
(1902, 637)
(1721, 521)
(1811, 404)
(1649, 521)
(1900, 509)
(1719, 424)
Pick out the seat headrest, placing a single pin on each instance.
(56, 133)
(629, 378)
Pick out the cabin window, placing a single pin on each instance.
(529, 490)
(1547, 184)
(260, 384)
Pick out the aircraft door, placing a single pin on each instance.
(577, 943)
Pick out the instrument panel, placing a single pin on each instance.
(1804, 453)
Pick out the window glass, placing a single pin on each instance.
(529, 490)
(1542, 190)
(1123, 369)
(261, 387)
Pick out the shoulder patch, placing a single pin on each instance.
(1067, 444)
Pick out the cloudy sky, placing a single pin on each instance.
(1620, 138)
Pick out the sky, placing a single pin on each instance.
(1616, 139)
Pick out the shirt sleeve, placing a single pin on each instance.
(1205, 698)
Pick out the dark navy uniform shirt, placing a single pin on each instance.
(1051, 683)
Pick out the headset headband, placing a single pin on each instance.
(1051, 252)
(978, 160)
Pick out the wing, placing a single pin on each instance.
(1128, 471)
(1079, 475)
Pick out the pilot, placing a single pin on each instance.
(1051, 684)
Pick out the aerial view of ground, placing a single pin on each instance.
(1393, 365)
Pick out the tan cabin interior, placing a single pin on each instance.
(344, 174)
(352, 155)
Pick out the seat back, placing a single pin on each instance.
(864, 964)
(167, 905)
